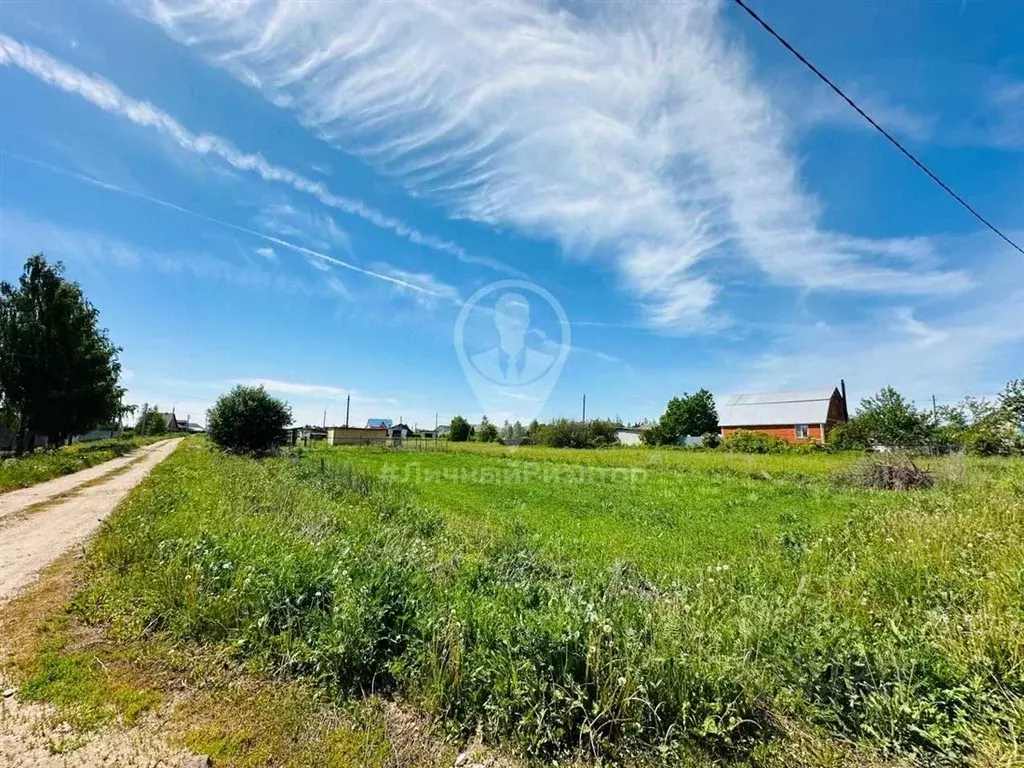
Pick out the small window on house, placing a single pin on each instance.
(801, 431)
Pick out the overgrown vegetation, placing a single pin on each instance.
(744, 441)
(572, 433)
(895, 631)
(975, 425)
(202, 700)
(248, 420)
(42, 465)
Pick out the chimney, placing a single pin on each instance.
(842, 391)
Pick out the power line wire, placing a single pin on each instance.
(892, 139)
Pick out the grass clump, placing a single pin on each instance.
(46, 464)
(896, 632)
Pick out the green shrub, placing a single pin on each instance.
(744, 441)
(711, 440)
(849, 436)
(571, 433)
(458, 431)
(247, 420)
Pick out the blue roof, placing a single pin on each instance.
(378, 423)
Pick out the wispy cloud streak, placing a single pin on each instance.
(108, 97)
(236, 227)
(635, 132)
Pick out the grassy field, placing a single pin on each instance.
(670, 513)
(45, 465)
(646, 608)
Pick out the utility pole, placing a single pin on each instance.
(348, 401)
(935, 410)
(584, 408)
(325, 417)
(435, 421)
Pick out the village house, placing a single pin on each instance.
(802, 416)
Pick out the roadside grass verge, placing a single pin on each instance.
(201, 698)
(43, 465)
(896, 634)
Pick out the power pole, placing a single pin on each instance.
(435, 421)
(935, 411)
(584, 408)
(325, 417)
(348, 401)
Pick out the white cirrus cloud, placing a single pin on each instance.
(287, 220)
(301, 389)
(639, 132)
(425, 289)
(108, 97)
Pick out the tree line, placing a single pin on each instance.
(59, 371)
(887, 419)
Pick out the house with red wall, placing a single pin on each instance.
(800, 416)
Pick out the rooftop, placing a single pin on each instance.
(806, 406)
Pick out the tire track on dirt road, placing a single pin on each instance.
(30, 544)
(14, 502)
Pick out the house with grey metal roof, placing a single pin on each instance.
(799, 416)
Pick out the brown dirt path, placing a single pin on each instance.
(30, 544)
(13, 502)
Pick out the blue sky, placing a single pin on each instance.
(304, 194)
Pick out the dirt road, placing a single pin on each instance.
(13, 502)
(30, 543)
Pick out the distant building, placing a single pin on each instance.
(357, 435)
(629, 435)
(802, 416)
(378, 423)
(174, 424)
(170, 422)
(305, 435)
(401, 431)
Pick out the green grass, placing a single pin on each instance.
(79, 683)
(670, 513)
(702, 610)
(45, 464)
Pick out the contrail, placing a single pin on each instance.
(238, 228)
(105, 95)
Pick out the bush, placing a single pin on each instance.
(710, 440)
(458, 431)
(742, 441)
(850, 436)
(569, 433)
(247, 420)
(889, 473)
